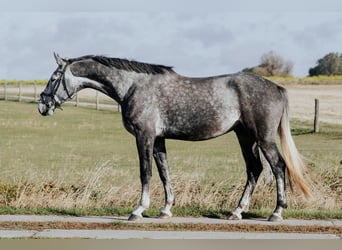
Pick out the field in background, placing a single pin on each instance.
(302, 92)
(312, 80)
(82, 158)
(302, 100)
(309, 80)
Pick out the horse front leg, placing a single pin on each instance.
(145, 149)
(159, 154)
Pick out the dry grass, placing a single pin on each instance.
(90, 190)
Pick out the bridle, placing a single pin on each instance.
(50, 99)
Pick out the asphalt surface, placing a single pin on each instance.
(135, 234)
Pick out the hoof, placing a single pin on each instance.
(275, 218)
(233, 216)
(164, 216)
(134, 217)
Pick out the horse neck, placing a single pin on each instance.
(114, 84)
(123, 80)
(117, 83)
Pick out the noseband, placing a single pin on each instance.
(53, 100)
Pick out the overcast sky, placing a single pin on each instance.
(198, 41)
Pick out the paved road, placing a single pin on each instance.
(133, 234)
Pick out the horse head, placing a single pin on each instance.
(58, 89)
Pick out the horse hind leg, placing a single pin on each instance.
(251, 156)
(277, 164)
(159, 154)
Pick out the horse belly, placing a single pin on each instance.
(198, 110)
(199, 124)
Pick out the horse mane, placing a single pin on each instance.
(127, 65)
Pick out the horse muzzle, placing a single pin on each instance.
(46, 109)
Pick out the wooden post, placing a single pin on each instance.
(35, 93)
(20, 90)
(97, 100)
(316, 119)
(5, 91)
(77, 100)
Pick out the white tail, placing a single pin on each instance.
(294, 164)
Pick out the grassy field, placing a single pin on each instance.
(83, 161)
(309, 80)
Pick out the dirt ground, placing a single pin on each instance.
(301, 97)
(302, 102)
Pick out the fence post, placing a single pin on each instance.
(316, 119)
(97, 100)
(76, 104)
(35, 93)
(5, 91)
(20, 92)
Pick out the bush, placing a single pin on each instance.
(272, 64)
(330, 64)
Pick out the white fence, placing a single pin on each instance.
(30, 93)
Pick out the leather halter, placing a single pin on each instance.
(55, 85)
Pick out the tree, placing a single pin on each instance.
(272, 64)
(330, 64)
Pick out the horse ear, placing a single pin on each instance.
(59, 60)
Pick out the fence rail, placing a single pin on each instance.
(30, 93)
(93, 99)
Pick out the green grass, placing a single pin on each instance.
(82, 161)
(309, 80)
(67, 141)
(23, 82)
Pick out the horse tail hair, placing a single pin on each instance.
(295, 165)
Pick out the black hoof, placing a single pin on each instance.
(134, 217)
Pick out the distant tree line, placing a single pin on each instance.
(272, 64)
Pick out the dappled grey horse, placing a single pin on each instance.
(158, 104)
